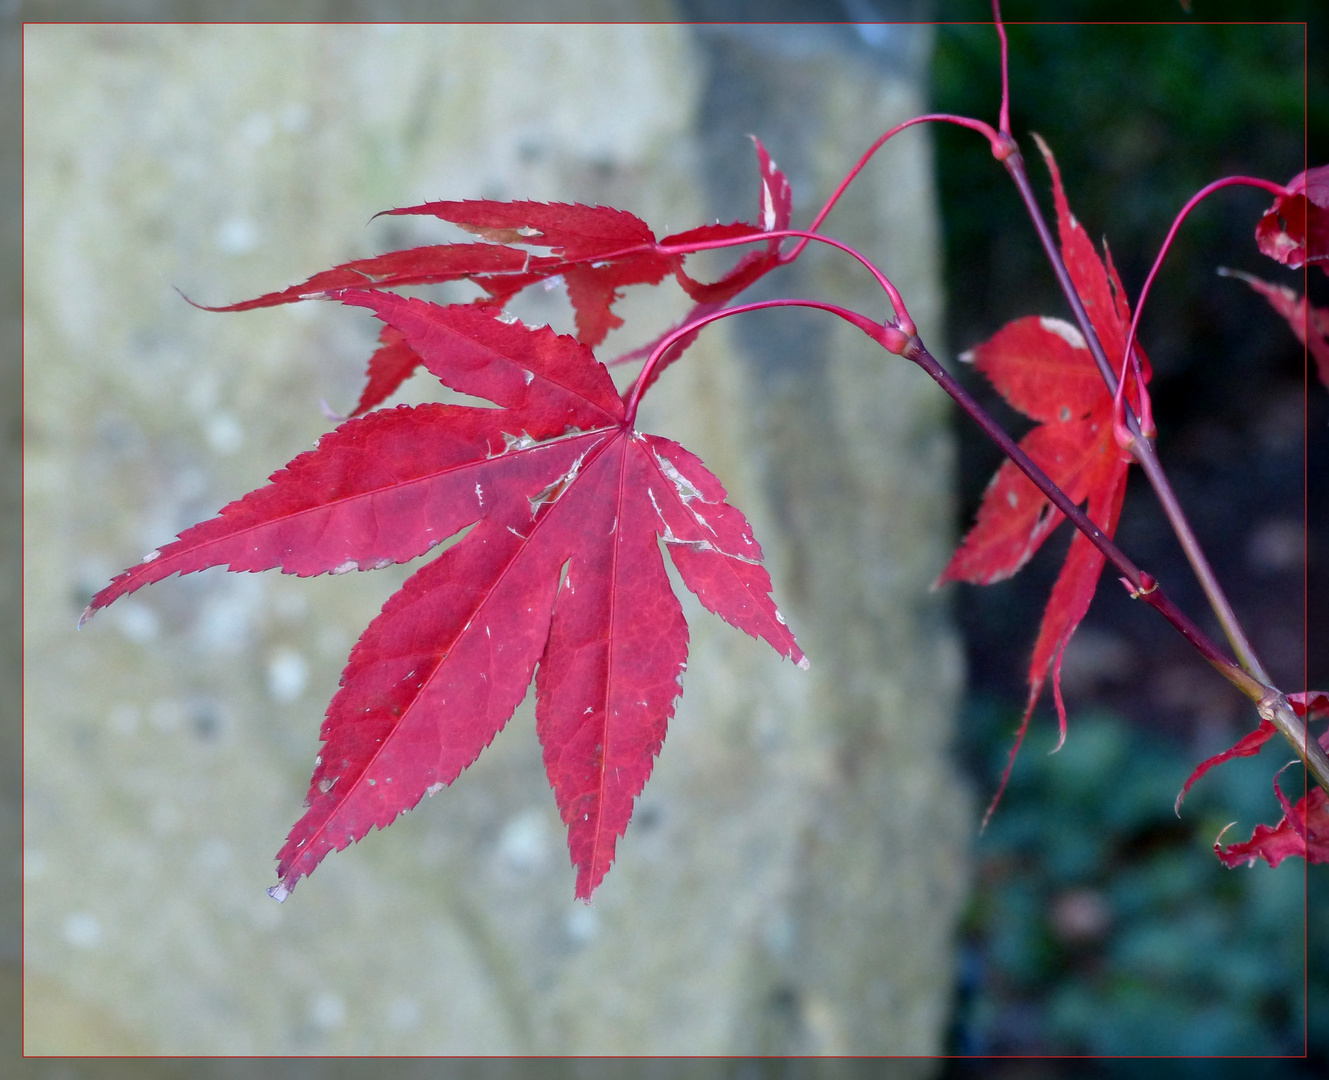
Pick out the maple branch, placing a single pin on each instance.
(1141, 584)
(1276, 708)
(1271, 702)
(1272, 705)
(1140, 445)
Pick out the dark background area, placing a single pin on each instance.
(1101, 923)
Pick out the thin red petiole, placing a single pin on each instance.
(874, 330)
(1121, 430)
(902, 318)
(1001, 142)
(1001, 147)
(1130, 358)
(1004, 122)
(1191, 203)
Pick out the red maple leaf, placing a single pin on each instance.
(1312, 705)
(1295, 230)
(596, 250)
(1303, 831)
(1043, 368)
(566, 506)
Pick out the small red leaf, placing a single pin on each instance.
(1302, 833)
(418, 266)
(1295, 230)
(1043, 368)
(549, 379)
(1313, 704)
(1247, 746)
(574, 232)
(596, 250)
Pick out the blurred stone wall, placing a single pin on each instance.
(792, 875)
(11, 531)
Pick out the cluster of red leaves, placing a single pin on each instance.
(1043, 368)
(1295, 231)
(1304, 830)
(564, 505)
(560, 575)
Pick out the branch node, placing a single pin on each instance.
(1148, 584)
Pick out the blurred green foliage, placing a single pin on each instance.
(1102, 924)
